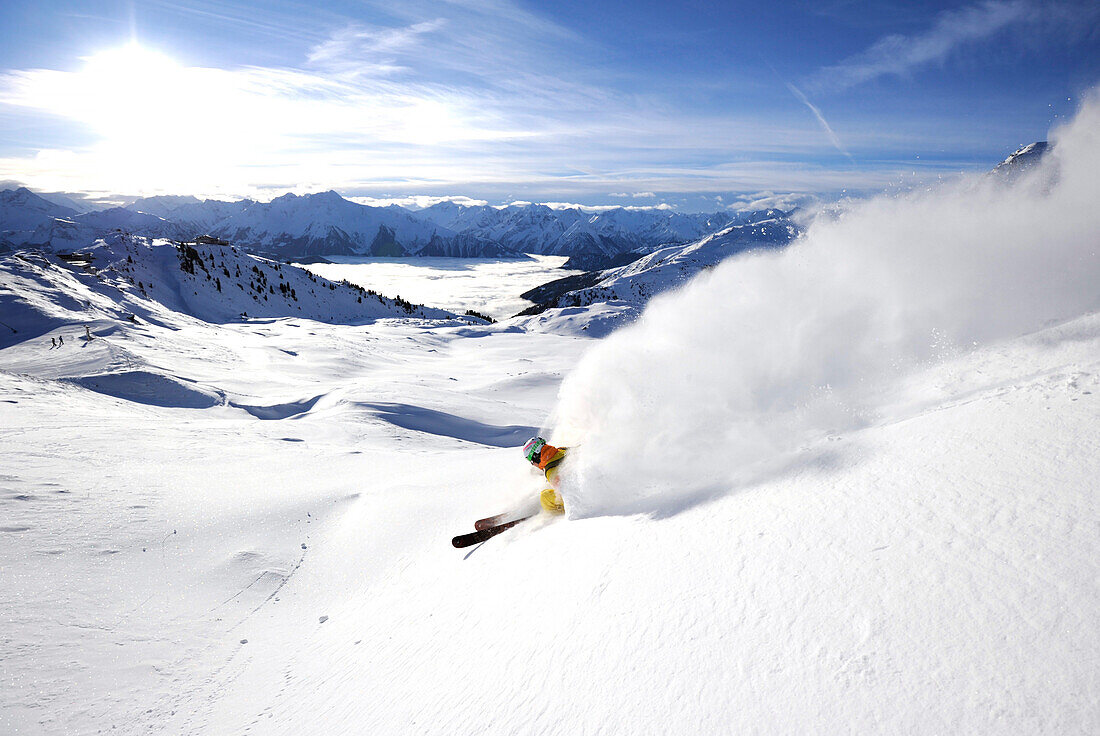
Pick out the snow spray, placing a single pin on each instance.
(727, 381)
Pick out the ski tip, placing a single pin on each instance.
(466, 540)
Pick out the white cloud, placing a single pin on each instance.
(897, 54)
(604, 207)
(418, 201)
(768, 200)
(371, 49)
(161, 126)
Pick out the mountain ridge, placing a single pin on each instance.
(326, 223)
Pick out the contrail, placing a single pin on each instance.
(820, 118)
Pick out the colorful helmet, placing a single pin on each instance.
(532, 448)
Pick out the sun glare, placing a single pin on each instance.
(128, 65)
(121, 84)
(165, 126)
(149, 111)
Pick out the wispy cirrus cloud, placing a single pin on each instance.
(756, 201)
(820, 119)
(419, 201)
(372, 50)
(607, 207)
(898, 55)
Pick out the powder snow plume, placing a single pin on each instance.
(727, 381)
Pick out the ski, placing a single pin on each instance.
(491, 521)
(522, 512)
(468, 540)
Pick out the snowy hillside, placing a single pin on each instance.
(596, 303)
(200, 215)
(320, 224)
(262, 544)
(123, 277)
(73, 231)
(1021, 160)
(22, 211)
(589, 239)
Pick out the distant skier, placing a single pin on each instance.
(548, 459)
(87, 333)
(53, 340)
(60, 340)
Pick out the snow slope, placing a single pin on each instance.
(620, 294)
(279, 562)
(1021, 160)
(900, 585)
(157, 521)
(129, 278)
(320, 224)
(70, 233)
(588, 238)
(22, 211)
(846, 486)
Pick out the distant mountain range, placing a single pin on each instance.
(314, 225)
(590, 240)
(300, 226)
(596, 302)
(601, 300)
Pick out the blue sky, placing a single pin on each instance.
(697, 105)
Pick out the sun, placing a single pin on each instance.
(124, 89)
(155, 118)
(128, 67)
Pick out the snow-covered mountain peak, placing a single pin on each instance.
(23, 196)
(1021, 160)
(162, 204)
(326, 223)
(21, 211)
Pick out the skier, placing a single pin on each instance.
(54, 341)
(60, 340)
(547, 458)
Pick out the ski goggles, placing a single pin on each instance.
(533, 449)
